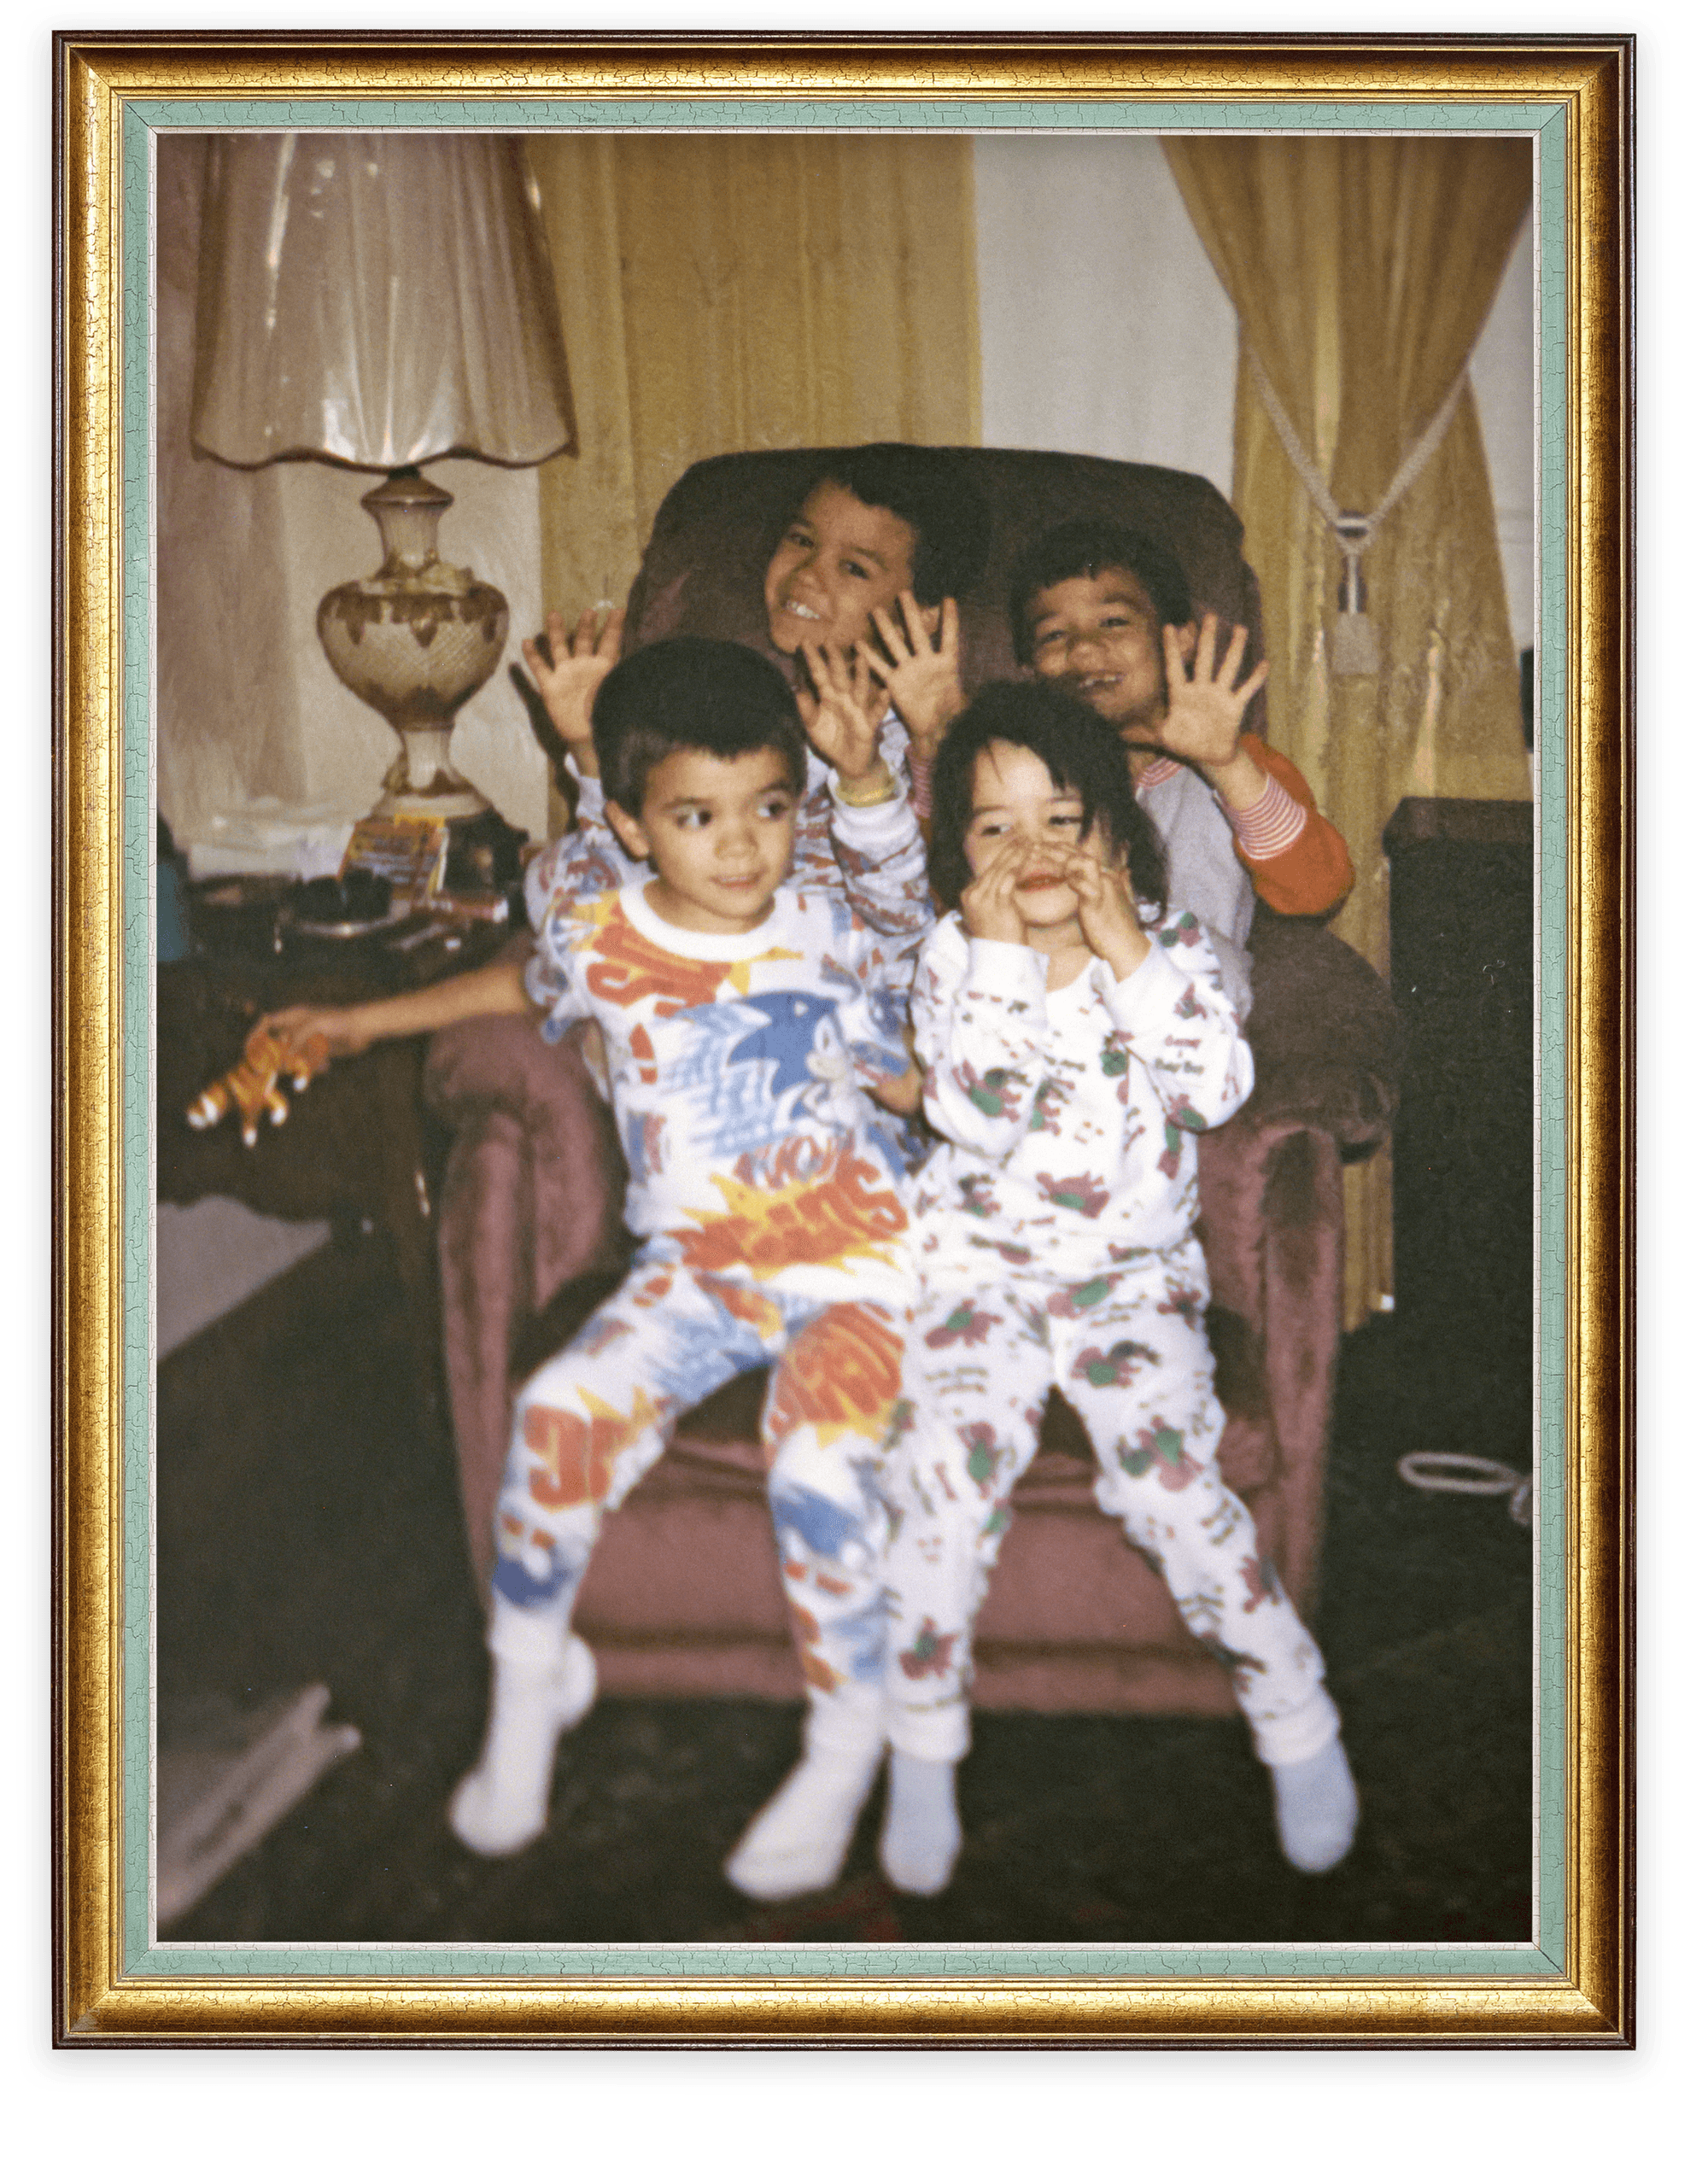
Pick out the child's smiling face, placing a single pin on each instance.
(720, 834)
(1016, 795)
(839, 560)
(1098, 637)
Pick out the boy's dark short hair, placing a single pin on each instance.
(950, 518)
(1079, 549)
(1082, 754)
(689, 695)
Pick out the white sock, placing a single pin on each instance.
(798, 1841)
(921, 1836)
(500, 1805)
(1316, 1809)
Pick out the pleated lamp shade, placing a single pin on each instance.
(376, 300)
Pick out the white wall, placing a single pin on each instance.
(1503, 376)
(1104, 329)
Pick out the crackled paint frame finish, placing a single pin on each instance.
(1571, 1984)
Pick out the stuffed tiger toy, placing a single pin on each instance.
(252, 1085)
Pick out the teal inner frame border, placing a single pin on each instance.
(142, 1959)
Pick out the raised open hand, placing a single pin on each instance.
(1108, 919)
(1206, 703)
(920, 672)
(989, 911)
(841, 711)
(569, 670)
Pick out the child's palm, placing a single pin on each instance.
(841, 711)
(568, 672)
(988, 910)
(1108, 919)
(1207, 706)
(922, 675)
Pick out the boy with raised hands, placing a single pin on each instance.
(860, 608)
(1106, 612)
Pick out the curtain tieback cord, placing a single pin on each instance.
(1355, 651)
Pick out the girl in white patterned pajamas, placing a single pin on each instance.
(1074, 1039)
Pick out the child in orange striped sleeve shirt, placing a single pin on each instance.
(1106, 611)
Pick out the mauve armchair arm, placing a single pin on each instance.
(1325, 1036)
(1326, 1040)
(532, 1199)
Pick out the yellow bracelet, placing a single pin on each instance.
(868, 796)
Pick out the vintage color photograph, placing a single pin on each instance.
(843, 978)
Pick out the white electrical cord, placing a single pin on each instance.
(1464, 1472)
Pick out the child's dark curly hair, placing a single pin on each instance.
(1079, 549)
(690, 695)
(1082, 754)
(932, 491)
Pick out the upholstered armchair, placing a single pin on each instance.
(684, 1595)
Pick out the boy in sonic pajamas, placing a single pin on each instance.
(745, 1023)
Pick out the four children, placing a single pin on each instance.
(745, 957)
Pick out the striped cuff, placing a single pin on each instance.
(918, 776)
(1157, 770)
(1271, 827)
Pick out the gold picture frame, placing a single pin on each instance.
(109, 86)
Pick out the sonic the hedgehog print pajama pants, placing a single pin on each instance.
(591, 1422)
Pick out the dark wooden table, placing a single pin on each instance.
(358, 1148)
(1460, 952)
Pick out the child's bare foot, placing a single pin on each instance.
(1316, 1809)
(798, 1842)
(500, 1805)
(921, 1836)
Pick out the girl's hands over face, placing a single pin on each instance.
(1108, 917)
(841, 711)
(988, 910)
(921, 673)
(1207, 706)
(569, 671)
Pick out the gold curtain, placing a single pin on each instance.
(746, 293)
(1362, 269)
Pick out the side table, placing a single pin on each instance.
(357, 1147)
(1460, 913)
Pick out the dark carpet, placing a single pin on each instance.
(308, 1530)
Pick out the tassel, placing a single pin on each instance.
(1355, 650)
